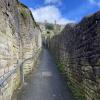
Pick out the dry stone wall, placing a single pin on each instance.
(20, 44)
(77, 51)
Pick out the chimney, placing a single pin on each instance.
(55, 22)
(45, 22)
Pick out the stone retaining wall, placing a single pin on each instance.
(77, 51)
(20, 45)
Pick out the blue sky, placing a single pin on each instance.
(63, 11)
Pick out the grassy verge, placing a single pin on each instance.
(76, 91)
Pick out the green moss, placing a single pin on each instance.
(24, 14)
(61, 67)
(76, 91)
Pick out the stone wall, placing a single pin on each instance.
(77, 51)
(20, 44)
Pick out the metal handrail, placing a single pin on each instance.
(10, 73)
(6, 77)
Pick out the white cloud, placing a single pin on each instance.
(57, 2)
(49, 13)
(95, 2)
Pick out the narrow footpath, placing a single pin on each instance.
(46, 83)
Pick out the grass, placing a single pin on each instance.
(76, 91)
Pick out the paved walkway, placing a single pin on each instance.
(46, 82)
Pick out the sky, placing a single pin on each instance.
(63, 11)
